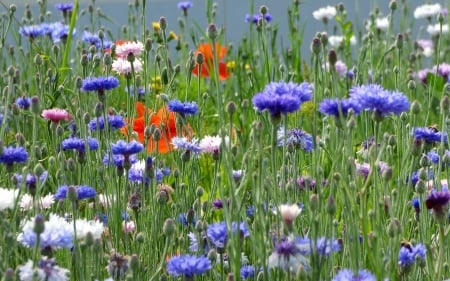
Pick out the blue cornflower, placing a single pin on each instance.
(415, 176)
(348, 275)
(60, 33)
(187, 218)
(11, 155)
(382, 102)
(58, 233)
(323, 246)
(140, 91)
(433, 157)
(184, 5)
(91, 39)
(247, 272)
(118, 160)
(282, 98)
(74, 143)
(193, 243)
(217, 232)
(339, 107)
(99, 84)
(295, 138)
(256, 17)
(83, 191)
(139, 176)
(30, 179)
(416, 204)
(287, 256)
(188, 265)
(183, 144)
(429, 135)
(124, 148)
(64, 7)
(115, 122)
(31, 31)
(23, 102)
(409, 254)
(250, 211)
(183, 108)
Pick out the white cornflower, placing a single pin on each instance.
(426, 46)
(289, 213)
(435, 29)
(211, 144)
(84, 227)
(336, 40)
(123, 66)
(427, 11)
(325, 13)
(27, 202)
(8, 198)
(382, 23)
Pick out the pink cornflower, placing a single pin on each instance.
(123, 49)
(128, 226)
(56, 115)
(123, 66)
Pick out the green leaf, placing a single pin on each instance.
(435, 82)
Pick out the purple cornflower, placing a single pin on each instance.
(11, 155)
(188, 266)
(99, 84)
(46, 269)
(126, 149)
(247, 272)
(64, 7)
(31, 31)
(382, 102)
(429, 135)
(183, 108)
(295, 138)
(257, 17)
(186, 145)
(348, 275)
(409, 254)
(436, 200)
(306, 182)
(115, 122)
(83, 191)
(23, 102)
(339, 107)
(282, 98)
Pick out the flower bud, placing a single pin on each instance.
(169, 227)
(212, 31)
(39, 224)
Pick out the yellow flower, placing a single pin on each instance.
(247, 67)
(172, 36)
(156, 26)
(231, 65)
(155, 84)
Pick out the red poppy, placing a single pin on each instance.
(163, 118)
(208, 64)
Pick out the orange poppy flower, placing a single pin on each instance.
(163, 118)
(208, 64)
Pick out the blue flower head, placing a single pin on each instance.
(115, 122)
(125, 148)
(295, 138)
(11, 155)
(282, 98)
(99, 84)
(118, 160)
(410, 254)
(348, 275)
(64, 7)
(183, 108)
(23, 102)
(60, 33)
(186, 145)
(91, 39)
(429, 135)
(339, 107)
(247, 272)
(383, 102)
(31, 31)
(188, 265)
(83, 191)
(257, 17)
(184, 5)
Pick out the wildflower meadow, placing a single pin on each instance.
(165, 151)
